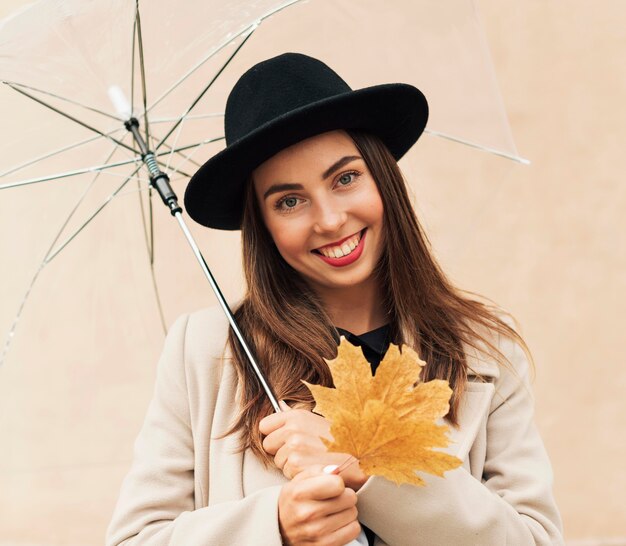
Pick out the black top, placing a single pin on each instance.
(374, 345)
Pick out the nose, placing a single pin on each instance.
(329, 217)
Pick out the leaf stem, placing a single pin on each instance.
(349, 461)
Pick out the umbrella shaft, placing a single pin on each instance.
(158, 179)
(227, 311)
(161, 182)
(132, 125)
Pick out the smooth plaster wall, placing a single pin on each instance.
(545, 241)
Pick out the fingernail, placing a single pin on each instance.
(329, 469)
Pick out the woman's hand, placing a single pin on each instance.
(293, 437)
(317, 508)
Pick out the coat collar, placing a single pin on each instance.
(480, 364)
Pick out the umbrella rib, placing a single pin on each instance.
(189, 158)
(249, 28)
(98, 168)
(76, 120)
(53, 153)
(143, 216)
(155, 286)
(78, 203)
(101, 168)
(143, 73)
(51, 255)
(174, 144)
(479, 147)
(164, 165)
(195, 145)
(97, 211)
(149, 239)
(171, 150)
(206, 88)
(48, 257)
(193, 117)
(14, 85)
(132, 61)
(180, 81)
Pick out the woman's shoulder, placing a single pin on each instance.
(509, 372)
(196, 356)
(482, 360)
(201, 335)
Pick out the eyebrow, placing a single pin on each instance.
(338, 164)
(275, 188)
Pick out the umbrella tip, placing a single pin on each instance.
(119, 101)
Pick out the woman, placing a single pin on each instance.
(330, 245)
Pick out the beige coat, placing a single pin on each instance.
(187, 489)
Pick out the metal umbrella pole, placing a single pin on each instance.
(161, 183)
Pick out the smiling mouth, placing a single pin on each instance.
(344, 248)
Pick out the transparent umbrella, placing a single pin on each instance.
(108, 99)
(88, 268)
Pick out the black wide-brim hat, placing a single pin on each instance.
(286, 99)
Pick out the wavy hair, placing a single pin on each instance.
(291, 334)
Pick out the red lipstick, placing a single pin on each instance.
(345, 260)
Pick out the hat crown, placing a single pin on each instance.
(276, 87)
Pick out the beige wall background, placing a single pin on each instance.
(545, 241)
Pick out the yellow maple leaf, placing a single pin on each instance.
(393, 384)
(386, 421)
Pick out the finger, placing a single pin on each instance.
(296, 462)
(275, 440)
(309, 472)
(283, 405)
(345, 501)
(336, 505)
(317, 528)
(295, 446)
(345, 534)
(281, 457)
(320, 487)
(336, 521)
(270, 423)
(293, 438)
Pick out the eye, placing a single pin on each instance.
(347, 178)
(286, 204)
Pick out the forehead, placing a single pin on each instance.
(307, 158)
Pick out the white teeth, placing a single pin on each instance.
(346, 248)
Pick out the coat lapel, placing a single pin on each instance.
(475, 403)
(473, 413)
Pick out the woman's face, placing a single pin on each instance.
(322, 208)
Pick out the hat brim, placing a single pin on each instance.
(396, 112)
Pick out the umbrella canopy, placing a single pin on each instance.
(86, 67)
(90, 329)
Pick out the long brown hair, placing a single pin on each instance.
(290, 332)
